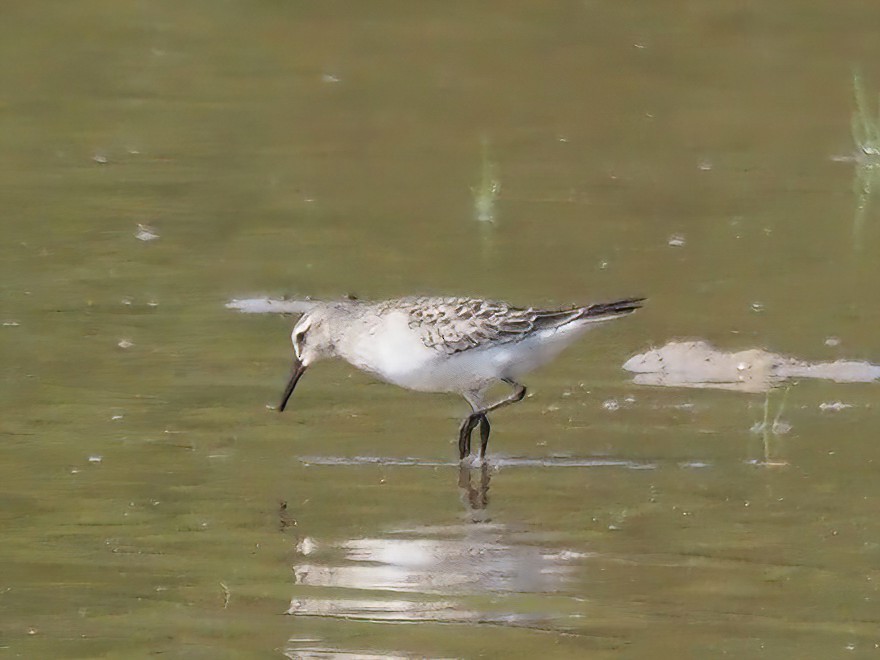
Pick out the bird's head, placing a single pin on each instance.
(311, 342)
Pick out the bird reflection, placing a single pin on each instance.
(434, 573)
(475, 497)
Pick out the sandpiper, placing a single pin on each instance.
(430, 344)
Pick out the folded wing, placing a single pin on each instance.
(453, 325)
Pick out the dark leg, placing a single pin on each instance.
(464, 435)
(479, 417)
(519, 393)
(484, 435)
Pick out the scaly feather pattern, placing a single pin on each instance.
(453, 325)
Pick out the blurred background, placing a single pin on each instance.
(159, 158)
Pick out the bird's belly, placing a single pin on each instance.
(474, 369)
(396, 355)
(417, 367)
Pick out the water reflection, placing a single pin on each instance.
(486, 192)
(866, 135)
(470, 559)
(770, 429)
(313, 649)
(475, 498)
(866, 184)
(498, 462)
(376, 609)
(430, 573)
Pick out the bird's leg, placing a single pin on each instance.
(475, 400)
(519, 392)
(484, 435)
(478, 416)
(464, 435)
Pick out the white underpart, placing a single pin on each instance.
(390, 349)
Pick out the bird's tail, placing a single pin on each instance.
(608, 311)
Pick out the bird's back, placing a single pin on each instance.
(453, 325)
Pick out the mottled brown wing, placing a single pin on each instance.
(453, 325)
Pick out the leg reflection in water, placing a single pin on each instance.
(475, 497)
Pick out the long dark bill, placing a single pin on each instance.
(298, 370)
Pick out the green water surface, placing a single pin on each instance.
(151, 503)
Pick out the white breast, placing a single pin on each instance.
(387, 347)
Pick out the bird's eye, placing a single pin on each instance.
(298, 341)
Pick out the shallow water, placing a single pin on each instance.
(159, 159)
